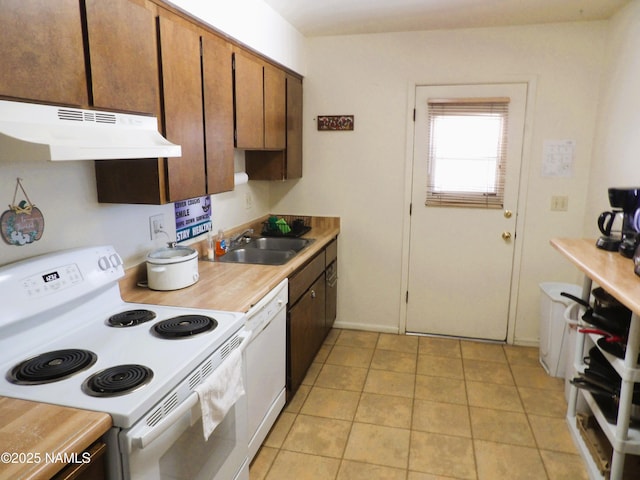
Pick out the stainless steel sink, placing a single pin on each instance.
(266, 251)
(257, 256)
(278, 243)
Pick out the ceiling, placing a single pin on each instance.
(345, 17)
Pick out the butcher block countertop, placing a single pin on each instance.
(32, 433)
(231, 287)
(610, 270)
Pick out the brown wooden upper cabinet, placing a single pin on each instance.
(123, 55)
(197, 79)
(42, 51)
(217, 81)
(293, 158)
(260, 104)
(275, 108)
(182, 113)
(287, 164)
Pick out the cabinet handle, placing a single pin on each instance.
(313, 294)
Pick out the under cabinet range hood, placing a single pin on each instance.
(31, 131)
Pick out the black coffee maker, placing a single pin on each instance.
(627, 202)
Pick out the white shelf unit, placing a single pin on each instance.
(623, 439)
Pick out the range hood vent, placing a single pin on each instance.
(43, 132)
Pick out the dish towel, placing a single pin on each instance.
(220, 391)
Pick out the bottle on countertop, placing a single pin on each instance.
(210, 247)
(221, 244)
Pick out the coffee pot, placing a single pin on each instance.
(610, 225)
(624, 201)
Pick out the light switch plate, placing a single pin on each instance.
(156, 225)
(559, 203)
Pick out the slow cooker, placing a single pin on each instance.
(172, 268)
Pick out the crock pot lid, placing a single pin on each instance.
(172, 253)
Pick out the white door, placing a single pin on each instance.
(461, 258)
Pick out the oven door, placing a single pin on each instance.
(178, 451)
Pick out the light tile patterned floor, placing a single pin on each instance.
(382, 406)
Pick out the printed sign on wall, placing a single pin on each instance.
(193, 217)
(558, 158)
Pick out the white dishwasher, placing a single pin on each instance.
(265, 363)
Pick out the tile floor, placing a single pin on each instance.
(383, 406)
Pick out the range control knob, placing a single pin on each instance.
(103, 263)
(115, 260)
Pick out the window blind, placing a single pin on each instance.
(467, 151)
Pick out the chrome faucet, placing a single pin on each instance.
(238, 238)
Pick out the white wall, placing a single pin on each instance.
(255, 24)
(361, 175)
(616, 156)
(65, 192)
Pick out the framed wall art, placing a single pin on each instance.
(335, 122)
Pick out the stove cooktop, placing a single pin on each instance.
(169, 360)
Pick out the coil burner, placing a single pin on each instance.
(131, 318)
(117, 380)
(184, 326)
(51, 366)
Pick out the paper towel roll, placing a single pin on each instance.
(240, 178)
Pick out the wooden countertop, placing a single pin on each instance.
(230, 286)
(31, 430)
(610, 270)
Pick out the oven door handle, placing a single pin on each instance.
(185, 407)
(149, 437)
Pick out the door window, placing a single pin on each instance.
(467, 152)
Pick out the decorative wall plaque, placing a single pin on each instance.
(335, 122)
(23, 223)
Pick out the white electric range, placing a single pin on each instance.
(68, 338)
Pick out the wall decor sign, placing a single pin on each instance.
(23, 223)
(193, 217)
(335, 122)
(558, 158)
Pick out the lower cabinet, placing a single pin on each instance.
(310, 315)
(331, 301)
(306, 332)
(331, 275)
(92, 470)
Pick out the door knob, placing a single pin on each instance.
(506, 235)
(508, 213)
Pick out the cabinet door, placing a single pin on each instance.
(287, 164)
(249, 93)
(331, 295)
(217, 78)
(182, 113)
(123, 56)
(306, 333)
(42, 51)
(275, 105)
(95, 469)
(294, 128)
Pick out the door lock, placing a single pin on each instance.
(508, 213)
(506, 236)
